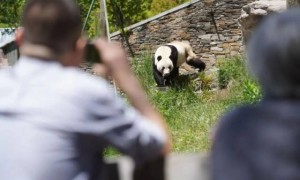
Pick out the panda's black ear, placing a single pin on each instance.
(159, 58)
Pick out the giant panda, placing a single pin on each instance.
(168, 58)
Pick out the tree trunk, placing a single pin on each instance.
(104, 28)
(120, 24)
(293, 3)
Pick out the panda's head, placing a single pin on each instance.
(164, 60)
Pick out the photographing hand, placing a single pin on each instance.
(112, 56)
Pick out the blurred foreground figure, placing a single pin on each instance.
(261, 142)
(56, 120)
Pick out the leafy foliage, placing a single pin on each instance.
(158, 6)
(231, 70)
(10, 12)
(251, 91)
(133, 11)
(91, 28)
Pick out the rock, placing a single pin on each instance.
(216, 49)
(186, 69)
(205, 37)
(253, 13)
(234, 53)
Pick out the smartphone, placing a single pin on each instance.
(92, 54)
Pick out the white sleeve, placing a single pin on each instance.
(123, 127)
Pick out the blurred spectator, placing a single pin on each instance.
(56, 120)
(261, 142)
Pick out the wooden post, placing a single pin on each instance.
(104, 27)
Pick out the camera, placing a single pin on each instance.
(91, 54)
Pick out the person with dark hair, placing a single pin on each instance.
(55, 119)
(261, 141)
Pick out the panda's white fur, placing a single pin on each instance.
(165, 65)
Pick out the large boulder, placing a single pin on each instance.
(254, 12)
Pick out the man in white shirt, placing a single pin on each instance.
(55, 120)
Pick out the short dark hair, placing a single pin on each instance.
(52, 23)
(274, 54)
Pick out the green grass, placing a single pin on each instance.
(191, 116)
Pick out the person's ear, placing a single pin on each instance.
(80, 44)
(19, 36)
(78, 52)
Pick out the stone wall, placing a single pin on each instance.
(193, 22)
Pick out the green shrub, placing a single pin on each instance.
(142, 67)
(230, 69)
(250, 91)
(206, 80)
(245, 87)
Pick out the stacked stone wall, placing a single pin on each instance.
(193, 22)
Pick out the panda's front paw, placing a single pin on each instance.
(202, 66)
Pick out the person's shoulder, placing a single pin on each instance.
(239, 120)
(86, 83)
(82, 76)
(240, 112)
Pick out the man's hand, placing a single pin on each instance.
(113, 57)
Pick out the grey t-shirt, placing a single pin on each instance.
(55, 122)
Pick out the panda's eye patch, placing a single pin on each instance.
(159, 58)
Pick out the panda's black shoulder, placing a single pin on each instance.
(174, 53)
(172, 47)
